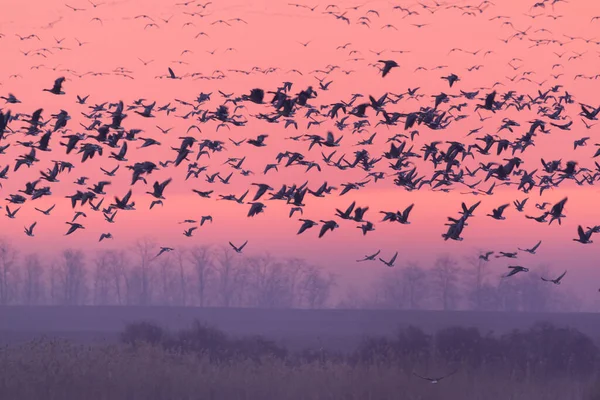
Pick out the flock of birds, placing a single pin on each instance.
(107, 131)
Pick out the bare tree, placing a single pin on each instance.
(414, 280)
(54, 281)
(296, 269)
(182, 293)
(316, 287)
(143, 274)
(72, 277)
(270, 281)
(201, 259)
(117, 260)
(8, 272)
(227, 269)
(165, 270)
(509, 294)
(476, 282)
(536, 295)
(388, 290)
(33, 282)
(241, 284)
(445, 281)
(354, 299)
(102, 279)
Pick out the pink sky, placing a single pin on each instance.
(270, 39)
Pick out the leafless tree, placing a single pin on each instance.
(72, 277)
(445, 281)
(143, 274)
(201, 259)
(117, 260)
(414, 280)
(355, 299)
(9, 278)
(477, 290)
(182, 293)
(102, 284)
(296, 269)
(54, 282)
(270, 282)
(316, 287)
(536, 295)
(33, 282)
(167, 278)
(388, 289)
(509, 294)
(227, 268)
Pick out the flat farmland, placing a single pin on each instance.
(296, 329)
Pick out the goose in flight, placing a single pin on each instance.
(387, 66)
(256, 208)
(533, 249)
(435, 380)
(159, 188)
(73, 227)
(205, 218)
(515, 269)
(391, 262)
(46, 212)
(124, 204)
(57, 88)
(172, 74)
(164, 250)
(372, 257)
(542, 206)
(557, 280)
(366, 227)
(451, 79)
(29, 231)
(507, 254)
(238, 249)
(11, 214)
(497, 212)
(105, 236)
(188, 232)
(262, 189)
(486, 255)
(519, 205)
(306, 224)
(401, 217)
(584, 236)
(329, 225)
(556, 212)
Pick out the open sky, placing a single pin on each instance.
(115, 34)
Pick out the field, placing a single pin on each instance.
(335, 329)
(59, 372)
(185, 353)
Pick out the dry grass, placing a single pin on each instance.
(60, 370)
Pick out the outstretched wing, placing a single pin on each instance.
(422, 377)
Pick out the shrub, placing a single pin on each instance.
(202, 340)
(143, 332)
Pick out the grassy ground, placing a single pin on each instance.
(63, 371)
(200, 362)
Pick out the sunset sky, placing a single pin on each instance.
(271, 38)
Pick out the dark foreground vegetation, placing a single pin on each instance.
(543, 362)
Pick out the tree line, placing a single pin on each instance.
(216, 276)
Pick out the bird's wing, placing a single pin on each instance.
(422, 377)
